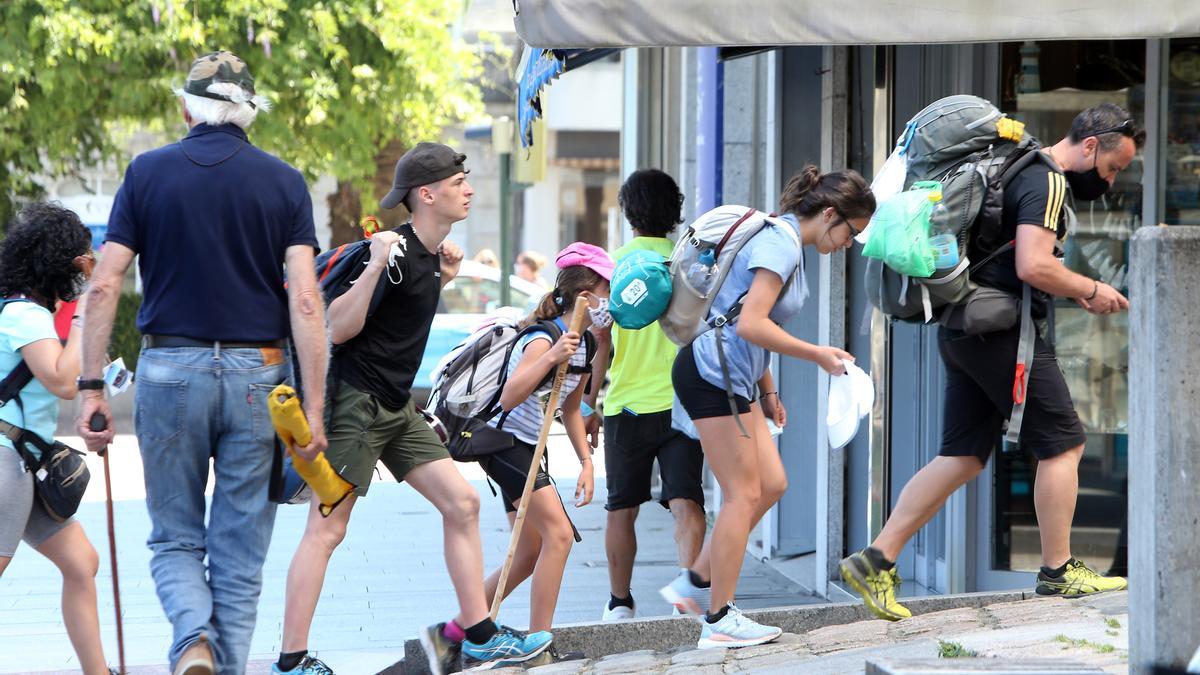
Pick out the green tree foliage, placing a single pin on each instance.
(347, 78)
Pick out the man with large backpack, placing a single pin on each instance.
(637, 411)
(372, 417)
(981, 386)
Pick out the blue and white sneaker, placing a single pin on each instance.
(506, 648)
(686, 597)
(735, 630)
(309, 665)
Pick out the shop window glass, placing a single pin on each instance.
(1045, 84)
(1183, 133)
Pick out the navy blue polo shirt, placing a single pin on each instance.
(211, 218)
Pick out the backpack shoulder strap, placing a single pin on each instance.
(19, 376)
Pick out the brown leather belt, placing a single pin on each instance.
(167, 341)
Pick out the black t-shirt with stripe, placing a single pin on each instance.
(1038, 195)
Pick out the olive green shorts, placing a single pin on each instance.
(362, 432)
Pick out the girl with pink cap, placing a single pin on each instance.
(546, 539)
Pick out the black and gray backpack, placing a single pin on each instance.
(469, 380)
(974, 151)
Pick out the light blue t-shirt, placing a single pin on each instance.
(22, 323)
(771, 249)
(525, 420)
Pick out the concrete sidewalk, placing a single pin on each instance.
(1090, 633)
(385, 581)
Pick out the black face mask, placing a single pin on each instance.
(1087, 185)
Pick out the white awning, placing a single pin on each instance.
(680, 23)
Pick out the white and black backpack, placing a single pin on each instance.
(469, 380)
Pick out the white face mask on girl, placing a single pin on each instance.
(599, 314)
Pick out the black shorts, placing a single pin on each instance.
(700, 398)
(979, 396)
(632, 443)
(509, 468)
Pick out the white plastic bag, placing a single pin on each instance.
(888, 183)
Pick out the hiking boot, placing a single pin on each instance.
(309, 665)
(552, 655)
(618, 613)
(735, 630)
(441, 652)
(687, 597)
(1077, 580)
(507, 647)
(877, 587)
(197, 659)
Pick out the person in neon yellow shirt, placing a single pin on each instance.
(637, 410)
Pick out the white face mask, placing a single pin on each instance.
(599, 314)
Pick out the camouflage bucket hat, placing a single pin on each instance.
(215, 68)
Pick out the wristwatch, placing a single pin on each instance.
(82, 384)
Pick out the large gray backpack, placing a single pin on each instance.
(974, 150)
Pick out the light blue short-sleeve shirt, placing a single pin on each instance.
(23, 323)
(771, 249)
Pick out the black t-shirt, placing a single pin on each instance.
(1038, 195)
(382, 360)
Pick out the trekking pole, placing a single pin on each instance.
(547, 419)
(98, 423)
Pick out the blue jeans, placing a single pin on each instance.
(194, 404)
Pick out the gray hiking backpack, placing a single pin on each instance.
(973, 150)
(469, 380)
(700, 262)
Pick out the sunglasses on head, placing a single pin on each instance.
(1124, 128)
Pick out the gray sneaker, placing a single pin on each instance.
(686, 596)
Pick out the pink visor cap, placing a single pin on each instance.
(592, 257)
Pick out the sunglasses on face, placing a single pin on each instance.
(843, 219)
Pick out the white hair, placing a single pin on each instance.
(242, 110)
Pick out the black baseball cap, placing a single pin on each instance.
(425, 163)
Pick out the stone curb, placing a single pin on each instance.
(664, 634)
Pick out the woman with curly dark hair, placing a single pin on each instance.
(45, 261)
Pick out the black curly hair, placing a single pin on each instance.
(652, 202)
(37, 257)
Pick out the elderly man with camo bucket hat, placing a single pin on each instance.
(215, 317)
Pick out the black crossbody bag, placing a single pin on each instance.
(61, 476)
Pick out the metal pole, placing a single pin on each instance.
(506, 245)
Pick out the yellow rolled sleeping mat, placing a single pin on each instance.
(291, 425)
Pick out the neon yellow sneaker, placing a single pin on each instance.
(877, 587)
(1078, 579)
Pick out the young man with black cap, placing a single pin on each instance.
(372, 417)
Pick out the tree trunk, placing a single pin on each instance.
(345, 205)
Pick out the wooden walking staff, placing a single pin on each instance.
(98, 423)
(577, 315)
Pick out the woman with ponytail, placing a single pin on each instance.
(546, 540)
(825, 211)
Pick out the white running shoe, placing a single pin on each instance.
(735, 630)
(686, 596)
(618, 613)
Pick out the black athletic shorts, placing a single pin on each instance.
(509, 468)
(631, 444)
(980, 371)
(700, 398)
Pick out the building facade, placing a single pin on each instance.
(734, 126)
